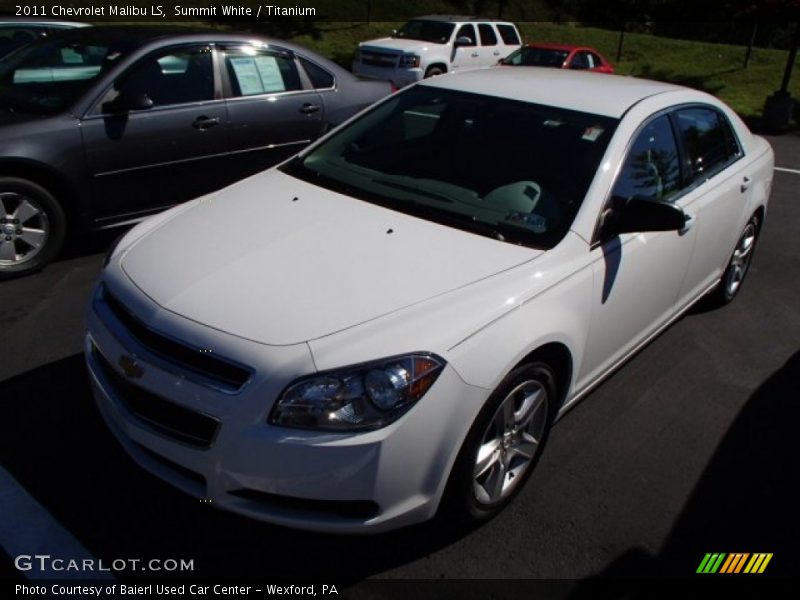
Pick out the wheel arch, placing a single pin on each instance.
(559, 358)
(50, 179)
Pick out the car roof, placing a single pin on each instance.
(35, 22)
(552, 46)
(139, 36)
(600, 94)
(458, 19)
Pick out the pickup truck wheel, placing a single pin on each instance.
(434, 71)
(32, 227)
(502, 446)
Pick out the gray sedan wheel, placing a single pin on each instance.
(32, 227)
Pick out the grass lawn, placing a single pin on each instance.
(715, 68)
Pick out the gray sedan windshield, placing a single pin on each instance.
(511, 170)
(47, 76)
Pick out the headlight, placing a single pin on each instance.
(367, 396)
(409, 60)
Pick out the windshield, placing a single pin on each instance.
(48, 76)
(435, 32)
(537, 57)
(510, 170)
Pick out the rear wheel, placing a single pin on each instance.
(503, 445)
(32, 227)
(738, 266)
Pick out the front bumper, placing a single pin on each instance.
(349, 483)
(400, 77)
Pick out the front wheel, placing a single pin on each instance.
(434, 71)
(32, 227)
(738, 265)
(503, 445)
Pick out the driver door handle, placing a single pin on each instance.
(746, 181)
(474, 55)
(687, 225)
(309, 108)
(203, 122)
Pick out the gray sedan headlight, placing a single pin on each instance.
(366, 396)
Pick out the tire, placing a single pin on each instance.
(32, 227)
(738, 266)
(476, 492)
(434, 71)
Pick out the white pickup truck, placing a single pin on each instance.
(434, 45)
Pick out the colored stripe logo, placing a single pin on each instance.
(737, 562)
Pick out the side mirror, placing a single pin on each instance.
(463, 41)
(639, 214)
(127, 102)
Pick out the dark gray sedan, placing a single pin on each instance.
(103, 126)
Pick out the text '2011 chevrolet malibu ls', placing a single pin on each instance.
(394, 318)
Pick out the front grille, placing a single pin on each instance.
(161, 415)
(378, 59)
(347, 509)
(221, 372)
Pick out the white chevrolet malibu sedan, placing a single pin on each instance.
(387, 326)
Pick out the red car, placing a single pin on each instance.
(560, 56)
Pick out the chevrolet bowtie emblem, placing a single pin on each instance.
(130, 367)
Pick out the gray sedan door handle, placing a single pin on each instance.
(309, 108)
(204, 122)
(746, 181)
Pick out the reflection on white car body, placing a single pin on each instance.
(332, 345)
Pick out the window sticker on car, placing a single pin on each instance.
(247, 76)
(257, 75)
(592, 133)
(536, 223)
(270, 74)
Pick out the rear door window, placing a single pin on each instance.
(488, 37)
(509, 35)
(709, 140)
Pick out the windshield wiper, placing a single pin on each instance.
(414, 190)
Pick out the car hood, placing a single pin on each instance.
(12, 117)
(280, 261)
(397, 45)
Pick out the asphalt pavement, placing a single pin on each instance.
(689, 448)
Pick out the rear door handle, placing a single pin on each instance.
(496, 52)
(203, 122)
(474, 55)
(309, 108)
(746, 181)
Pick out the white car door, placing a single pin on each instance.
(509, 39)
(722, 186)
(638, 276)
(491, 50)
(468, 55)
